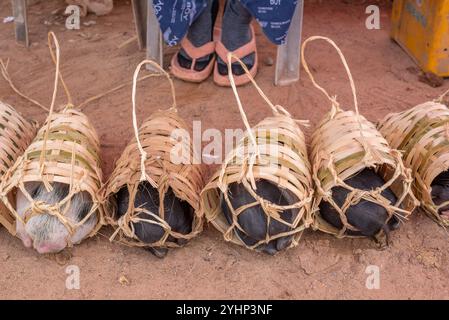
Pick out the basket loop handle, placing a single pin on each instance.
(348, 71)
(52, 36)
(143, 153)
(276, 109)
(55, 55)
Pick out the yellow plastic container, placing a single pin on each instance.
(421, 27)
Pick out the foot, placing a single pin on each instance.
(200, 33)
(236, 33)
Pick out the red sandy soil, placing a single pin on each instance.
(416, 265)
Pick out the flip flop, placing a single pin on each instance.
(247, 49)
(194, 53)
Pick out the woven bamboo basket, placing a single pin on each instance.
(274, 150)
(345, 143)
(148, 157)
(16, 133)
(65, 150)
(422, 134)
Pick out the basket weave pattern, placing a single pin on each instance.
(275, 151)
(65, 150)
(16, 134)
(359, 145)
(422, 134)
(185, 180)
(152, 156)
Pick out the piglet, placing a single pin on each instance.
(254, 221)
(440, 193)
(178, 214)
(368, 217)
(45, 232)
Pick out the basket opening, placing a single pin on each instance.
(255, 224)
(440, 193)
(364, 217)
(145, 218)
(80, 202)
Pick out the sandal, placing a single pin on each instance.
(197, 72)
(242, 52)
(194, 53)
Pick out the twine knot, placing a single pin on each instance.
(270, 209)
(39, 207)
(334, 101)
(68, 106)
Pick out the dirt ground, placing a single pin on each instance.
(415, 266)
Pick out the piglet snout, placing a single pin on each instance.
(47, 233)
(49, 247)
(26, 239)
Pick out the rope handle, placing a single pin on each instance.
(7, 77)
(143, 153)
(345, 64)
(441, 98)
(348, 71)
(51, 36)
(276, 109)
(56, 59)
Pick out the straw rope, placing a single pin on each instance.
(441, 98)
(359, 146)
(7, 77)
(143, 154)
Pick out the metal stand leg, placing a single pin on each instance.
(148, 32)
(140, 20)
(287, 62)
(19, 11)
(154, 38)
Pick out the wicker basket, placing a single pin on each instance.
(359, 145)
(16, 134)
(422, 134)
(65, 150)
(275, 151)
(148, 158)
